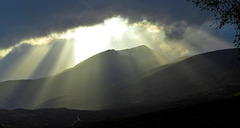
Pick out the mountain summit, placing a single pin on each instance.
(145, 57)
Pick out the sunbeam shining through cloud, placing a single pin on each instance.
(117, 63)
(64, 50)
(95, 39)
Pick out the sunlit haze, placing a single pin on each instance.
(68, 48)
(119, 63)
(95, 39)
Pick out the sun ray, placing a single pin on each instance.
(95, 39)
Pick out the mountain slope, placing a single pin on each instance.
(202, 78)
(112, 80)
(81, 87)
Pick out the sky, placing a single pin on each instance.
(43, 37)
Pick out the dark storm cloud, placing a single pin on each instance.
(23, 19)
(175, 31)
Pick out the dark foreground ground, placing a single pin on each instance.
(218, 114)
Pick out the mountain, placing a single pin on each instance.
(199, 79)
(83, 86)
(200, 91)
(118, 79)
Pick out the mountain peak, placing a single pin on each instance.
(140, 47)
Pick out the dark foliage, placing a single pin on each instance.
(225, 12)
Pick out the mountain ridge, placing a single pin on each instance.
(90, 76)
(201, 78)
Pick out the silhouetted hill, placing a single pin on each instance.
(83, 86)
(217, 114)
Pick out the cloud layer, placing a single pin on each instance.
(25, 19)
(174, 28)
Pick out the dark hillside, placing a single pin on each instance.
(217, 114)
